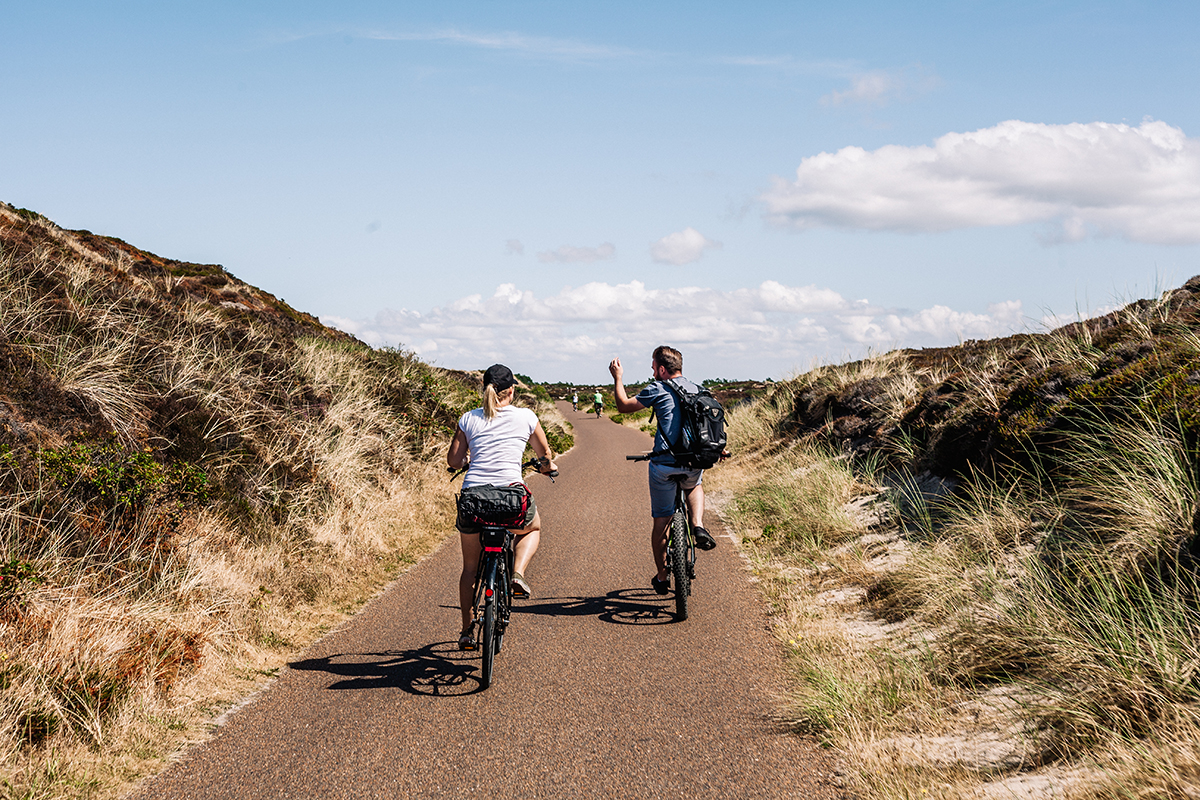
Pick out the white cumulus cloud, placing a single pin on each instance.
(681, 247)
(761, 331)
(1095, 179)
(566, 254)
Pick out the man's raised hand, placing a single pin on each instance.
(615, 369)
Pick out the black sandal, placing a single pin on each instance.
(466, 639)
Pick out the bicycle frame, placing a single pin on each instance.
(680, 554)
(493, 594)
(493, 598)
(497, 552)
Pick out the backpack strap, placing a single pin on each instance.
(678, 392)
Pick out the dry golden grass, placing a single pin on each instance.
(130, 611)
(1029, 634)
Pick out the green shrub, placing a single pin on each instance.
(114, 477)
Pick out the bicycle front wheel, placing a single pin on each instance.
(679, 564)
(488, 643)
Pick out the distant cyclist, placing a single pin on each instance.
(575, 401)
(598, 403)
(490, 441)
(666, 364)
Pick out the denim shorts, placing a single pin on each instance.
(662, 490)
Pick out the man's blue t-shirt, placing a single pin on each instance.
(659, 397)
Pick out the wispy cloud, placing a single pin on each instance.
(507, 41)
(682, 247)
(879, 87)
(566, 254)
(1080, 180)
(786, 63)
(762, 331)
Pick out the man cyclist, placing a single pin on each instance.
(598, 403)
(574, 401)
(667, 364)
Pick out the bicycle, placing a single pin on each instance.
(493, 584)
(681, 545)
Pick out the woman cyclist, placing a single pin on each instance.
(490, 442)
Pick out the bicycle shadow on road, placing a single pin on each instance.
(435, 670)
(620, 607)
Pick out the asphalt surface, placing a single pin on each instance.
(598, 693)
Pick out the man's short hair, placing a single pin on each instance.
(668, 358)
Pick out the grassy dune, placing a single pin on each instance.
(195, 480)
(984, 558)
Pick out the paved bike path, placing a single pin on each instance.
(598, 693)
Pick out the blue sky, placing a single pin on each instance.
(551, 184)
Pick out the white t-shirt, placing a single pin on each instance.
(496, 445)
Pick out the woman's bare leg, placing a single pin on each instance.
(471, 548)
(528, 540)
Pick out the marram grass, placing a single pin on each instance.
(1060, 596)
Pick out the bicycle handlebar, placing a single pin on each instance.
(648, 456)
(536, 463)
(533, 463)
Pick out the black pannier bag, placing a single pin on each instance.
(701, 428)
(502, 506)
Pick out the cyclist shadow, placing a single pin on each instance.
(435, 670)
(620, 607)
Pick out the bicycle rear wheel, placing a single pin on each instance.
(503, 604)
(679, 564)
(488, 642)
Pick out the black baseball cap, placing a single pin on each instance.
(499, 376)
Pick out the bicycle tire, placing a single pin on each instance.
(488, 636)
(679, 564)
(503, 601)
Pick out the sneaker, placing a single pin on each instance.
(466, 639)
(520, 587)
(660, 587)
(704, 540)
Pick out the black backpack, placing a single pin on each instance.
(701, 428)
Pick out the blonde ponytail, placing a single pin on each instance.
(490, 402)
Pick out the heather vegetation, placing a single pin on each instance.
(984, 558)
(195, 479)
